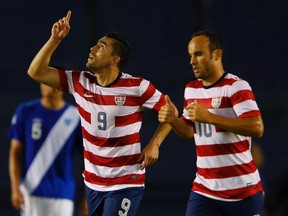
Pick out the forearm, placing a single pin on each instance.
(182, 128)
(15, 171)
(39, 68)
(161, 133)
(252, 126)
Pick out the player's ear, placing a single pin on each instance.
(217, 54)
(116, 59)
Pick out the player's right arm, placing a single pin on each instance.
(167, 114)
(15, 164)
(39, 68)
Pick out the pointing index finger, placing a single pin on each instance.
(68, 16)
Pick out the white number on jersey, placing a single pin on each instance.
(36, 131)
(125, 205)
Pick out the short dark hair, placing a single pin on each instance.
(121, 47)
(215, 40)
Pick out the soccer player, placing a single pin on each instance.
(44, 135)
(111, 104)
(221, 114)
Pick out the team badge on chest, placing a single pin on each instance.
(216, 102)
(120, 99)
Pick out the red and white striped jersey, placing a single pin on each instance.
(111, 118)
(225, 169)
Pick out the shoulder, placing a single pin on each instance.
(29, 105)
(130, 80)
(194, 84)
(236, 82)
(129, 76)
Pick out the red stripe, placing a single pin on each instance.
(239, 193)
(251, 113)
(160, 103)
(127, 179)
(228, 171)
(111, 142)
(149, 92)
(111, 162)
(84, 114)
(241, 96)
(221, 149)
(63, 81)
(109, 99)
(195, 84)
(98, 98)
(128, 119)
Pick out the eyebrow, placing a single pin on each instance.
(103, 42)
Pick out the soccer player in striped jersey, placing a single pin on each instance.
(44, 135)
(111, 104)
(221, 114)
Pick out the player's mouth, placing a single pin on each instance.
(195, 69)
(90, 57)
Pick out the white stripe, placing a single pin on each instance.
(229, 183)
(220, 138)
(223, 91)
(239, 86)
(112, 151)
(112, 172)
(224, 160)
(245, 106)
(112, 131)
(51, 147)
(110, 187)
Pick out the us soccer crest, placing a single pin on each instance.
(120, 99)
(216, 102)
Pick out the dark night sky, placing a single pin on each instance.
(255, 35)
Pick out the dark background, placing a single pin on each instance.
(255, 34)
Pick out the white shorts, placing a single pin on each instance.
(36, 206)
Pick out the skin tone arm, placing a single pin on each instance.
(169, 114)
(150, 153)
(252, 126)
(39, 69)
(15, 164)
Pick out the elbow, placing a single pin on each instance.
(35, 73)
(259, 130)
(31, 73)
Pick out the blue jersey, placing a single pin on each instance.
(49, 138)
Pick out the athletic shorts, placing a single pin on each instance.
(36, 206)
(123, 202)
(199, 205)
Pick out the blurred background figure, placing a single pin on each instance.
(43, 136)
(276, 197)
(258, 157)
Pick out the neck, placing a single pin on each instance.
(53, 104)
(107, 77)
(215, 76)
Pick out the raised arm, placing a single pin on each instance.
(169, 114)
(39, 69)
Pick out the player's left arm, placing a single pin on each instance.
(15, 165)
(249, 126)
(150, 153)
